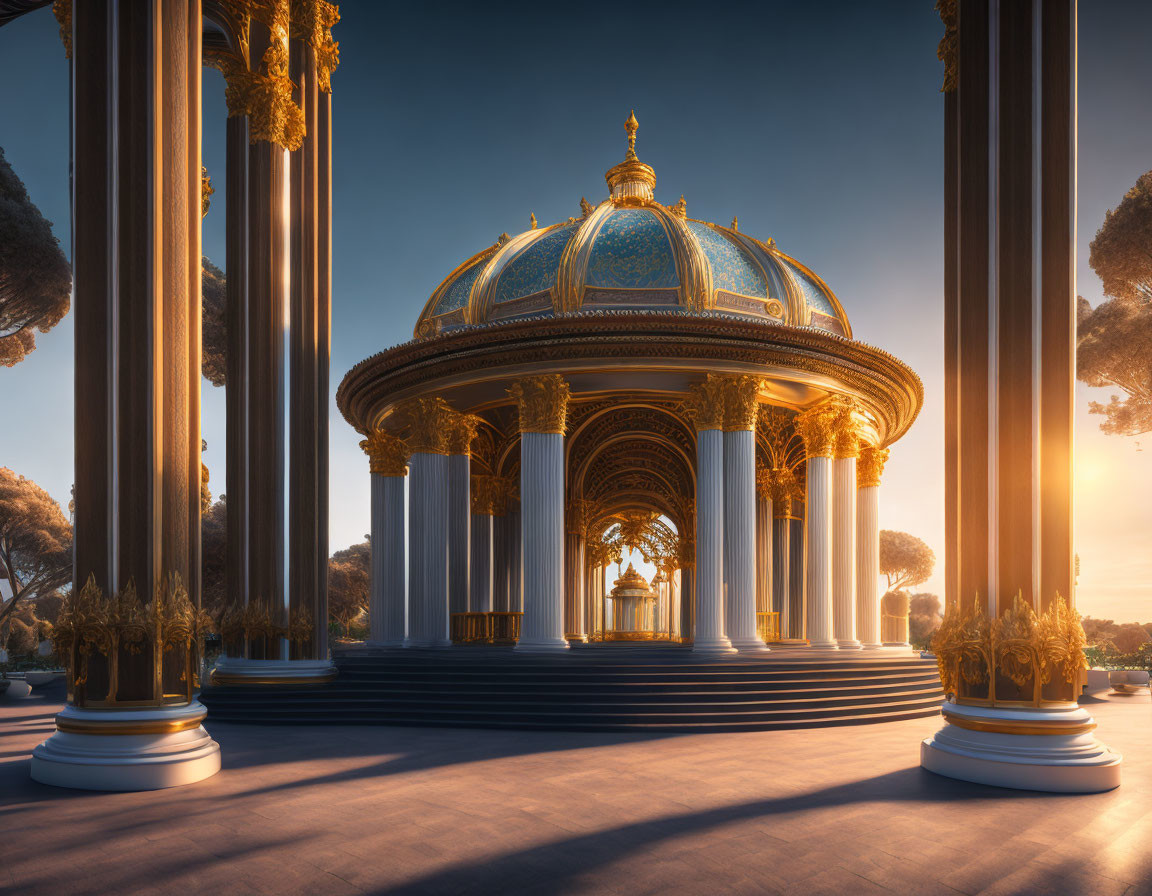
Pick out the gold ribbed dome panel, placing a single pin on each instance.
(631, 252)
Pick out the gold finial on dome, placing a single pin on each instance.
(632, 126)
(735, 223)
(631, 182)
(586, 207)
(680, 209)
(532, 220)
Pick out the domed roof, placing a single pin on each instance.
(631, 252)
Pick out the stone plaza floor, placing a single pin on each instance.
(319, 810)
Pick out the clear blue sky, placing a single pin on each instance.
(819, 124)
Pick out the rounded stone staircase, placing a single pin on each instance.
(597, 688)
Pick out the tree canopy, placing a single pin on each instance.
(1114, 339)
(214, 557)
(348, 584)
(215, 341)
(924, 617)
(905, 560)
(35, 541)
(35, 277)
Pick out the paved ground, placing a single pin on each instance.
(380, 810)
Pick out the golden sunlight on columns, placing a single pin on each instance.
(388, 464)
(847, 449)
(869, 467)
(542, 404)
(705, 406)
(817, 427)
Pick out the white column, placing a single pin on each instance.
(844, 552)
(709, 636)
(388, 462)
(386, 604)
(480, 571)
(781, 574)
(740, 540)
(542, 537)
(428, 557)
(818, 559)
(459, 538)
(542, 403)
(869, 468)
(763, 553)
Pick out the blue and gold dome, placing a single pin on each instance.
(630, 252)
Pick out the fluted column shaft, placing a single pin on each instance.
(515, 561)
(709, 615)
(764, 555)
(459, 538)
(542, 536)
(740, 540)
(428, 558)
(868, 566)
(781, 576)
(818, 559)
(844, 552)
(387, 598)
(480, 598)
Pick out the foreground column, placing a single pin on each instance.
(1010, 310)
(846, 448)
(542, 402)
(429, 420)
(869, 467)
(817, 429)
(740, 512)
(388, 459)
(131, 722)
(705, 405)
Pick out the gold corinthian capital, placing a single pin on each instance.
(704, 405)
(387, 454)
(817, 427)
(461, 432)
(542, 402)
(847, 438)
(740, 405)
(429, 422)
(870, 466)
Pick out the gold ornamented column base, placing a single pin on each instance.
(127, 750)
(236, 671)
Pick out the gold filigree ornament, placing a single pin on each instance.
(870, 466)
(542, 402)
(264, 96)
(387, 453)
(817, 427)
(1029, 650)
(428, 423)
(740, 405)
(312, 21)
(847, 439)
(206, 191)
(461, 431)
(705, 403)
(62, 10)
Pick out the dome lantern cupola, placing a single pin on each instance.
(631, 179)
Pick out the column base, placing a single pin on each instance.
(849, 644)
(238, 671)
(1025, 749)
(749, 645)
(127, 750)
(713, 646)
(871, 645)
(542, 645)
(824, 645)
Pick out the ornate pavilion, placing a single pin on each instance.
(629, 379)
